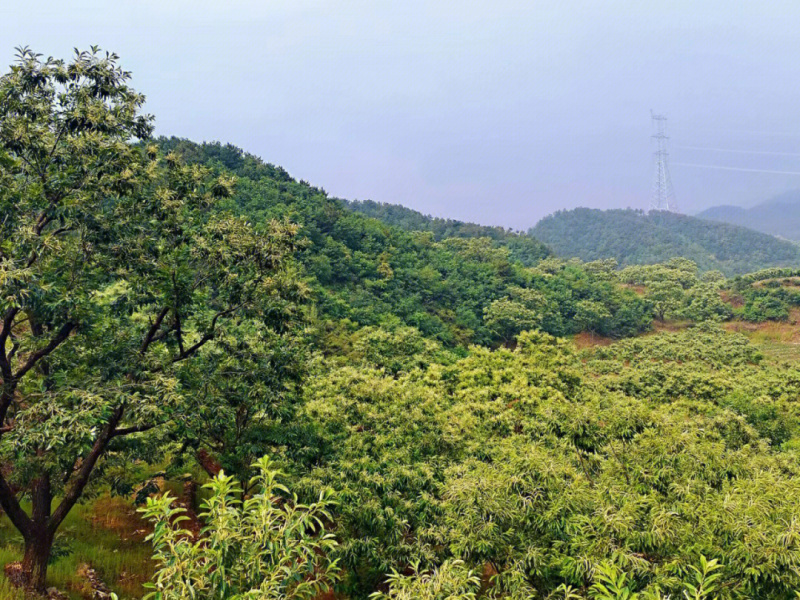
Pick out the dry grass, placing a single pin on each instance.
(588, 340)
(639, 290)
(670, 325)
(735, 300)
(779, 341)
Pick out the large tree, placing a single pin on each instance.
(116, 273)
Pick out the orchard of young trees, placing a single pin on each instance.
(368, 410)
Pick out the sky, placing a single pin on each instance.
(498, 112)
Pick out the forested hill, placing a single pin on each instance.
(779, 216)
(634, 237)
(524, 248)
(458, 290)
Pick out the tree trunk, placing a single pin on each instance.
(34, 562)
(39, 538)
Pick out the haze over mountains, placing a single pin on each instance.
(629, 236)
(778, 216)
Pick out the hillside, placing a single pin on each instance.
(634, 237)
(524, 248)
(219, 381)
(364, 272)
(779, 216)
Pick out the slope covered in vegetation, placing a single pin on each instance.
(365, 272)
(634, 237)
(524, 248)
(375, 413)
(779, 216)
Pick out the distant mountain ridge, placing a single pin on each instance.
(636, 237)
(778, 216)
(523, 247)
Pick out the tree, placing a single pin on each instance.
(703, 302)
(666, 296)
(116, 273)
(590, 315)
(241, 396)
(520, 311)
(268, 546)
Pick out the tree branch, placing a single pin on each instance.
(54, 343)
(129, 430)
(148, 339)
(207, 336)
(8, 320)
(10, 504)
(75, 490)
(9, 383)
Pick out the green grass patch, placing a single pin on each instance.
(106, 533)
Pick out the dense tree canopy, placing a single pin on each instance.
(524, 248)
(396, 407)
(116, 274)
(365, 272)
(634, 238)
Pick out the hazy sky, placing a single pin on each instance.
(496, 111)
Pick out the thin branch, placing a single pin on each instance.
(61, 230)
(129, 430)
(208, 336)
(55, 144)
(54, 343)
(148, 339)
(178, 331)
(75, 490)
(5, 332)
(177, 323)
(11, 506)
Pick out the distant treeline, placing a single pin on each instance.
(524, 248)
(635, 237)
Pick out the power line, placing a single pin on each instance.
(743, 169)
(794, 134)
(736, 151)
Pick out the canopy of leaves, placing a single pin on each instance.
(267, 547)
(633, 237)
(367, 273)
(524, 248)
(651, 455)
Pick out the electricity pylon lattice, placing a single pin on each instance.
(663, 194)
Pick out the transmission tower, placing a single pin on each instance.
(663, 194)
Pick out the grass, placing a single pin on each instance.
(779, 341)
(106, 533)
(589, 340)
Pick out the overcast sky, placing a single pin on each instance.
(495, 111)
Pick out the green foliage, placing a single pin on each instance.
(611, 584)
(705, 580)
(524, 248)
(548, 465)
(767, 307)
(173, 300)
(372, 274)
(704, 303)
(634, 238)
(267, 546)
(118, 269)
(666, 296)
(451, 581)
(520, 311)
